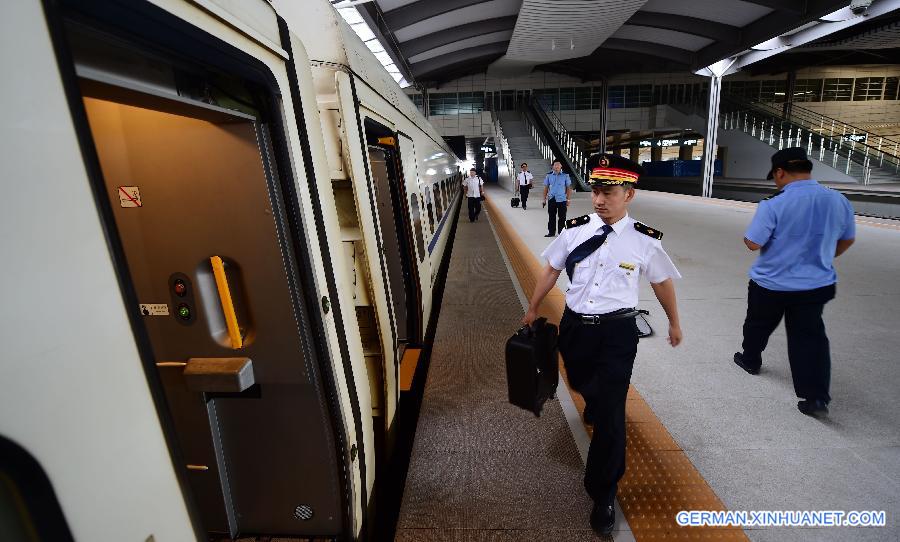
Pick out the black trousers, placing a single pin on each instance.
(808, 348)
(599, 359)
(523, 193)
(557, 216)
(474, 208)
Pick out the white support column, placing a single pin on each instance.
(712, 129)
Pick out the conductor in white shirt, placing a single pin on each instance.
(605, 254)
(524, 184)
(474, 190)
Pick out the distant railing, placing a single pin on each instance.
(564, 138)
(503, 144)
(543, 146)
(767, 123)
(820, 123)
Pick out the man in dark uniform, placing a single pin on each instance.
(799, 231)
(604, 254)
(558, 188)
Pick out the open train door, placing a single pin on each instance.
(198, 210)
(214, 254)
(397, 234)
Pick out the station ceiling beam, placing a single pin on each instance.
(795, 7)
(423, 9)
(682, 56)
(472, 54)
(689, 25)
(455, 70)
(764, 28)
(469, 30)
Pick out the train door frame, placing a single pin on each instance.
(387, 140)
(167, 31)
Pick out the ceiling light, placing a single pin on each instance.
(363, 31)
(351, 15)
(374, 45)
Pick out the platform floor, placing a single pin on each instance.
(482, 469)
(743, 433)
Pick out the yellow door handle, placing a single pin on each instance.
(231, 323)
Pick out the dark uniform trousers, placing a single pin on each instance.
(557, 220)
(474, 208)
(523, 192)
(598, 360)
(808, 349)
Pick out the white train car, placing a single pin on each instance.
(224, 225)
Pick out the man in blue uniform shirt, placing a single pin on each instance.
(558, 188)
(605, 254)
(799, 231)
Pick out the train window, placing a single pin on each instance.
(438, 201)
(430, 206)
(416, 212)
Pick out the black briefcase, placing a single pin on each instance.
(514, 202)
(532, 365)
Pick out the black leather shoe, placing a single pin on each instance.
(742, 363)
(603, 518)
(549, 235)
(813, 407)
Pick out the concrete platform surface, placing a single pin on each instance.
(744, 433)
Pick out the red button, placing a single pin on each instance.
(180, 287)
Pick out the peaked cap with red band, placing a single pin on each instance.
(611, 169)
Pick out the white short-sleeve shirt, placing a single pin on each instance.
(474, 185)
(525, 177)
(607, 280)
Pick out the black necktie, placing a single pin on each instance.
(585, 249)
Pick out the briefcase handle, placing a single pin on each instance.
(529, 331)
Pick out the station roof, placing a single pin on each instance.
(435, 41)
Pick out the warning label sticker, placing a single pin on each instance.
(154, 309)
(129, 196)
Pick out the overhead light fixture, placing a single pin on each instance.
(348, 3)
(352, 17)
(855, 13)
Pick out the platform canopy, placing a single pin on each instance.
(435, 41)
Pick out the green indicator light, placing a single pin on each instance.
(184, 312)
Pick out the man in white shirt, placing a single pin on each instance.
(604, 254)
(474, 190)
(523, 185)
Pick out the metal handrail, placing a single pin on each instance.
(822, 119)
(885, 150)
(564, 138)
(769, 124)
(500, 139)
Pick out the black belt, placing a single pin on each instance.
(599, 318)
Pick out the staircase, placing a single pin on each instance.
(859, 159)
(522, 147)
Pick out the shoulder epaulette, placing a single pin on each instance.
(580, 221)
(647, 230)
(775, 194)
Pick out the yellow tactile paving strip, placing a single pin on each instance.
(659, 480)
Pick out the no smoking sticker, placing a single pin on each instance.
(154, 309)
(130, 196)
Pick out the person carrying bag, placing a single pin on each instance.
(524, 183)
